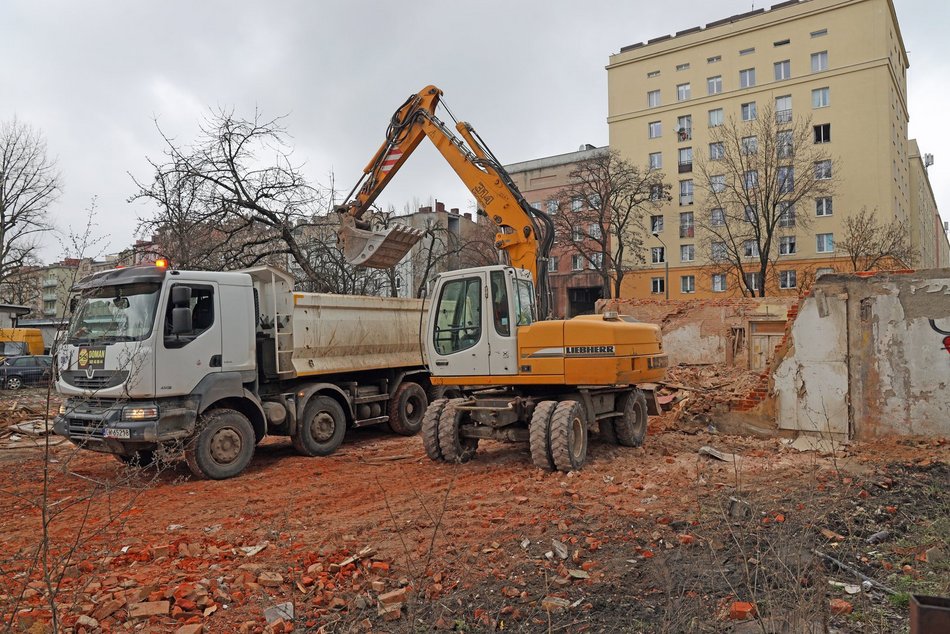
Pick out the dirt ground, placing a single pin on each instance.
(377, 538)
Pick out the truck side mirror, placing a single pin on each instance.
(181, 296)
(181, 318)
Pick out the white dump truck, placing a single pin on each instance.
(208, 363)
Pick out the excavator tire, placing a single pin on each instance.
(430, 428)
(454, 447)
(539, 435)
(568, 436)
(631, 428)
(406, 408)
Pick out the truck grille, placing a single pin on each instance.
(99, 380)
(85, 429)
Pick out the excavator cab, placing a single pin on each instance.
(375, 248)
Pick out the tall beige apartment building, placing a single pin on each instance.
(842, 63)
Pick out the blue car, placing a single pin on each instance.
(15, 372)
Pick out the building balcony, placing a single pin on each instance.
(783, 116)
(684, 134)
(50, 283)
(686, 199)
(49, 297)
(686, 167)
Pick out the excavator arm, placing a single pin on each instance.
(525, 233)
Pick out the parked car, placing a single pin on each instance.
(15, 372)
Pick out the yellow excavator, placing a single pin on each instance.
(518, 375)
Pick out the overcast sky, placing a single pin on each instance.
(529, 76)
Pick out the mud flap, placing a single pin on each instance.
(380, 249)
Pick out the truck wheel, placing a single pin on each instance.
(539, 435)
(430, 428)
(223, 446)
(139, 459)
(14, 383)
(406, 408)
(631, 428)
(455, 448)
(568, 436)
(322, 429)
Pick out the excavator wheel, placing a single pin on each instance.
(539, 435)
(568, 436)
(631, 428)
(455, 448)
(430, 428)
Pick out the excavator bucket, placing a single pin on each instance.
(379, 249)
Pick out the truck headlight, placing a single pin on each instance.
(140, 412)
(62, 408)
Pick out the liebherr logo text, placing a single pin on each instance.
(590, 350)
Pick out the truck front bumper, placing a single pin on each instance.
(104, 425)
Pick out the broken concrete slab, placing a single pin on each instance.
(283, 611)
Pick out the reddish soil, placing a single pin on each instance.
(471, 544)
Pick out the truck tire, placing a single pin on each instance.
(322, 428)
(430, 428)
(568, 436)
(539, 434)
(223, 446)
(455, 448)
(138, 459)
(406, 408)
(631, 428)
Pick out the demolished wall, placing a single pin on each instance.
(869, 356)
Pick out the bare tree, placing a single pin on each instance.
(22, 285)
(29, 184)
(238, 185)
(756, 175)
(870, 243)
(602, 212)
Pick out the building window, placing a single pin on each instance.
(786, 214)
(752, 281)
(682, 92)
(820, 98)
(653, 98)
(686, 192)
(577, 234)
(786, 179)
(823, 133)
(747, 51)
(682, 66)
(719, 282)
(577, 203)
(750, 145)
(656, 160)
(717, 183)
(825, 242)
(552, 264)
(823, 206)
(823, 170)
(714, 59)
(685, 159)
(552, 205)
(783, 109)
(819, 33)
(687, 252)
(716, 151)
(750, 249)
(684, 128)
(717, 217)
(657, 285)
(751, 214)
(751, 179)
(596, 261)
(781, 43)
(686, 224)
(787, 279)
(652, 74)
(658, 255)
(656, 224)
(748, 111)
(747, 78)
(715, 117)
(819, 61)
(595, 231)
(714, 85)
(718, 251)
(657, 192)
(577, 263)
(783, 70)
(784, 144)
(786, 245)
(656, 129)
(688, 283)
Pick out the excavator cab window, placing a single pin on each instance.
(525, 309)
(459, 316)
(499, 303)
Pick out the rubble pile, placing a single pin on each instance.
(696, 393)
(24, 416)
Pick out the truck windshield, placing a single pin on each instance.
(114, 313)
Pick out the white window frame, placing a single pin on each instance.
(656, 160)
(657, 255)
(594, 231)
(750, 249)
(819, 61)
(716, 151)
(552, 264)
(747, 78)
(655, 129)
(821, 97)
(577, 204)
(596, 261)
(715, 120)
(785, 176)
(823, 170)
(687, 283)
(787, 245)
(718, 282)
(552, 205)
(822, 241)
(682, 91)
(718, 251)
(751, 179)
(653, 98)
(656, 223)
(749, 111)
(784, 277)
(824, 206)
(756, 278)
(687, 252)
(686, 192)
(657, 285)
(717, 183)
(577, 262)
(717, 217)
(714, 85)
(783, 70)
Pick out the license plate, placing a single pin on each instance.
(116, 433)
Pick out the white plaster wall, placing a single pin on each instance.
(686, 344)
